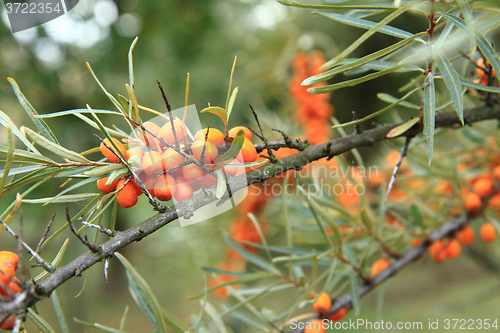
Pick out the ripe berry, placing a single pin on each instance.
(453, 249)
(315, 326)
(323, 303)
(466, 235)
(207, 181)
(171, 158)
(127, 197)
(437, 251)
(472, 202)
(182, 191)
(233, 131)
(152, 163)
(108, 153)
(192, 172)
(210, 153)
(8, 324)
(214, 136)
(152, 128)
(488, 232)
(101, 185)
(6, 271)
(339, 315)
(416, 242)
(494, 202)
(162, 189)
(496, 172)
(10, 258)
(248, 152)
(138, 189)
(379, 266)
(167, 134)
(483, 186)
(135, 151)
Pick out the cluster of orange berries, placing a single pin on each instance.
(155, 158)
(322, 305)
(9, 284)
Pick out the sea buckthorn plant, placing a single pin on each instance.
(327, 238)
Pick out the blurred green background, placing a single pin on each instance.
(201, 38)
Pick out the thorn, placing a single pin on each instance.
(272, 158)
(92, 247)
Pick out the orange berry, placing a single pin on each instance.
(379, 266)
(172, 158)
(437, 251)
(101, 185)
(152, 163)
(8, 324)
(135, 151)
(192, 172)
(466, 235)
(14, 287)
(162, 187)
(182, 191)
(496, 172)
(323, 303)
(453, 249)
(315, 326)
(152, 128)
(108, 153)
(233, 131)
(210, 153)
(416, 242)
(483, 186)
(472, 202)
(127, 197)
(6, 271)
(214, 136)
(138, 189)
(339, 315)
(10, 258)
(230, 170)
(488, 232)
(248, 152)
(207, 180)
(167, 134)
(494, 202)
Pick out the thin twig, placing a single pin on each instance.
(45, 233)
(169, 109)
(48, 267)
(272, 158)
(92, 247)
(109, 232)
(402, 155)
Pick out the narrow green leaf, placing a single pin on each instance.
(367, 24)
(446, 32)
(417, 217)
(26, 157)
(221, 183)
(488, 51)
(353, 82)
(104, 170)
(74, 112)
(56, 148)
(225, 273)
(353, 287)
(143, 295)
(244, 165)
(469, 21)
(71, 188)
(175, 324)
(131, 63)
(380, 65)
(282, 249)
(115, 175)
(6, 121)
(98, 326)
(398, 130)
(111, 131)
(42, 325)
(30, 110)
(21, 170)
(300, 5)
(59, 312)
(124, 317)
(481, 87)
(367, 34)
(133, 100)
(218, 111)
(452, 81)
(9, 159)
(231, 102)
(111, 97)
(250, 257)
(63, 198)
(429, 114)
(235, 148)
(123, 100)
(55, 262)
(210, 310)
(328, 219)
(351, 65)
(391, 99)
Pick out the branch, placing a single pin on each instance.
(297, 161)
